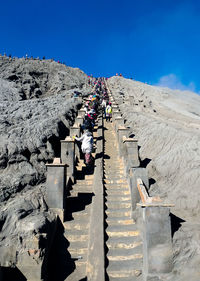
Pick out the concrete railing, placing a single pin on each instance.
(60, 174)
(96, 251)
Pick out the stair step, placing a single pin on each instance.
(111, 172)
(123, 228)
(125, 275)
(77, 237)
(85, 214)
(117, 205)
(127, 266)
(114, 181)
(114, 176)
(77, 190)
(134, 246)
(76, 224)
(78, 274)
(77, 252)
(123, 233)
(118, 213)
(84, 183)
(117, 191)
(116, 198)
(119, 221)
(119, 186)
(113, 168)
(124, 257)
(123, 252)
(125, 242)
(78, 245)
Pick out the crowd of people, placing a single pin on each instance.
(97, 102)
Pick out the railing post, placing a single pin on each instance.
(130, 153)
(134, 174)
(75, 131)
(118, 122)
(157, 241)
(68, 157)
(115, 107)
(81, 113)
(116, 113)
(121, 132)
(79, 120)
(56, 192)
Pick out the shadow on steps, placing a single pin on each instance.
(77, 204)
(60, 263)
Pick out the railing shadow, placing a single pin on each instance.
(60, 263)
(176, 223)
(145, 162)
(11, 274)
(77, 204)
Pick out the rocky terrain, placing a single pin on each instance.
(36, 110)
(167, 125)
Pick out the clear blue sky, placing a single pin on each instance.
(154, 41)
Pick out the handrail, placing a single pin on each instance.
(147, 200)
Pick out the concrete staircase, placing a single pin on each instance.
(124, 246)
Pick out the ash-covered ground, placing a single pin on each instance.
(36, 110)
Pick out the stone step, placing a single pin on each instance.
(78, 245)
(77, 252)
(126, 267)
(123, 228)
(116, 198)
(84, 214)
(117, 192)
(114, 165)
(114, 176)
(119, 221)
(109, 169)
(118, 213)
(85, 189)
(79, 272)
(133, 275)
(123, 233)
(77, 224)
(124, 242)
(117, 205)
(84, 182)
(71, 237)
(114, 181)
(117, 185)
(134, 246)
(124, 258)
(123, 252)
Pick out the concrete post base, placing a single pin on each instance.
(68, 157)
(130, 153)
(157, 244)
(56, 180)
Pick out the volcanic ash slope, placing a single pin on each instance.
(36, 111)
(167, 125)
